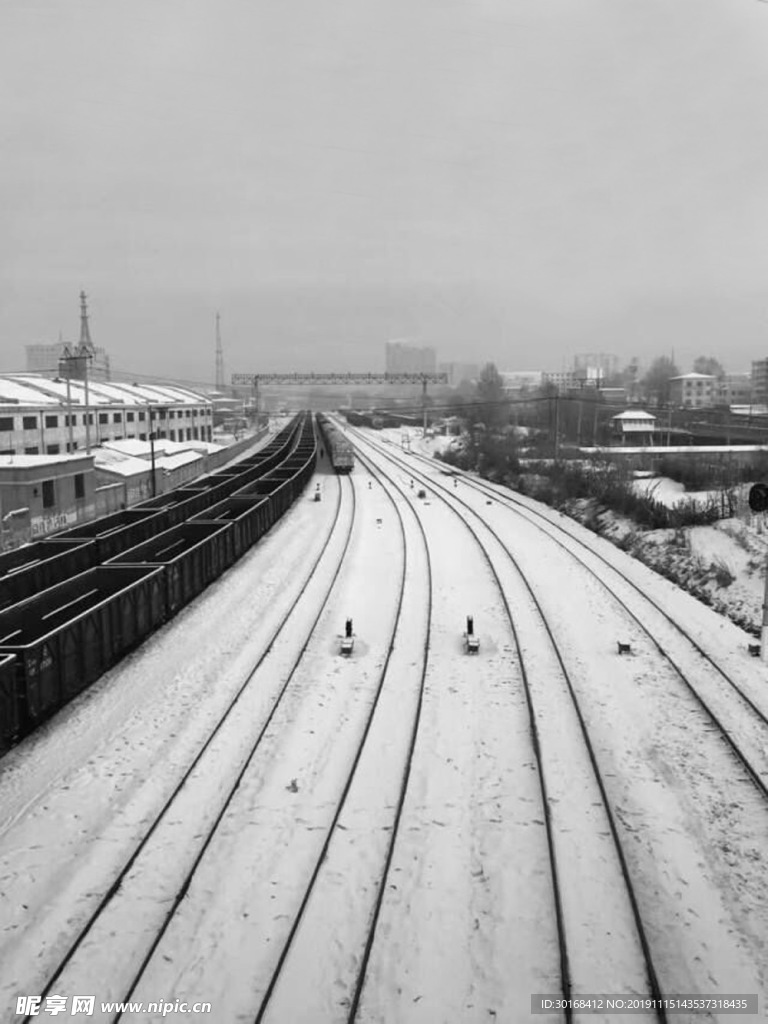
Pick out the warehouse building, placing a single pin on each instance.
(45, 416)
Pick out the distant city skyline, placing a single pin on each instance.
(179, 360)
(514, 185)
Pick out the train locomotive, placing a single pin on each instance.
(339, 449)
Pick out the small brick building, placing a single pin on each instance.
(43, 493)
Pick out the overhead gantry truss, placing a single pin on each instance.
(256, 380)
(339, 378)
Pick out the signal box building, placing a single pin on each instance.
(634, 427)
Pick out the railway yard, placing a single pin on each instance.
(239, 813)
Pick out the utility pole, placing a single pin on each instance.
(424, 403)
(69, 416)
(85, 351)
(219, 357)
(87, 410)
(557, 425)
(152, 450)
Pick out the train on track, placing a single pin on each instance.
(73, 605)
(340, 450)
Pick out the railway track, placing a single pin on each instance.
(702, 679)
(286, 860)
(588, 940)
(88, 960)
(290, 993)
(747, 814)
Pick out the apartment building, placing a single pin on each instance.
(694, 390)
(402, 357)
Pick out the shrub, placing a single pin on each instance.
(721, 573)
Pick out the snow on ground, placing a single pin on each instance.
(701, 832)
(724, 564)
(466, 931)
(286, 800)
(471, 841)
(76, 793)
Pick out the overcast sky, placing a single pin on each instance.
(515, 180)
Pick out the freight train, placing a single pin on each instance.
(339, 448)
(74, 605)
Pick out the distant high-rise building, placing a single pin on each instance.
(45, 358)
(595, 366)
(402, 357)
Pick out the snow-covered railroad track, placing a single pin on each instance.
(125, 924)
(285, 908)
(699, 669)
(693, 815)
(332, 933)
(600, 930)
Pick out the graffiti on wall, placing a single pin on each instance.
(47, 524)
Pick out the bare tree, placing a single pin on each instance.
(657, 381)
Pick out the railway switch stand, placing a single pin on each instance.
(471, 641)
(624, 648)
(348, 640)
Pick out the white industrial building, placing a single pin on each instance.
(44, 416)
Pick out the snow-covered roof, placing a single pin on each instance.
(695, 376)
(687, 449)
(177, 460)
(749, 410)
(143, 449)
(36, 389)
(634, 414)
(115, 462)
(28, 461)
(19, 392)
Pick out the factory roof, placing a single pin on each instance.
(28, 461)
(37, 389)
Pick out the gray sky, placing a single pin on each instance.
(517, 181)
